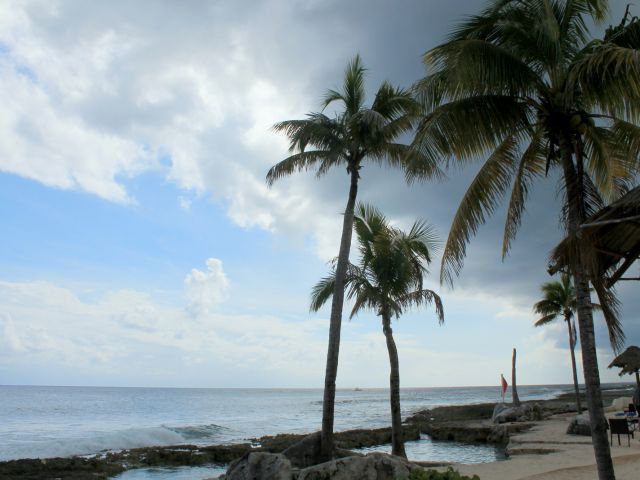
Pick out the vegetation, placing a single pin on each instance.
(449, 474)
(354, 134)
(524, 86)
(388, 279)
(559, 298)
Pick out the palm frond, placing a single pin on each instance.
(626, 140)
(483, 123)
(489, 24)
(301, 162)
(480, 200)
(608, 77)
(322, 291)
(547, 307)
(423, 297)
(601, 161)
(530, 168)
(473, 67)
(545, 320)
(626, 33)
(610, 307)
(353, 87)
(332, 96)
(317, 130)
(392, 102)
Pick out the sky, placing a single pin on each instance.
(141, 246)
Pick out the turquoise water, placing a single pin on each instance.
(180, 473)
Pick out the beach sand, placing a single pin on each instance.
(547, 452)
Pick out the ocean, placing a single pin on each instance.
(42, 422)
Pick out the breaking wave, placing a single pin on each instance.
(118, 440)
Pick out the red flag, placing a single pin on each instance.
(504, 385)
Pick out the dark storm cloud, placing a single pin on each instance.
(391, 38)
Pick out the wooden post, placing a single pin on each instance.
(514, 390)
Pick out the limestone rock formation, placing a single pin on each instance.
(580, 425)
(505, 413)
(374, 466)
(260, 466)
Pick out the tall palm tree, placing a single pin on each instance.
(388, 280)
(525, 85)
(559, 298)
(354, 134)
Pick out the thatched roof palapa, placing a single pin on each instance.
(613, 235)
(629, 362)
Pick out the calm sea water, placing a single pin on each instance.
(62, 421)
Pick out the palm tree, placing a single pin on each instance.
(525, 85)
(559, 298)
(388, 280)
(355, 134)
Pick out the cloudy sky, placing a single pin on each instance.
(141, 246)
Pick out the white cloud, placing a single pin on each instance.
(206, 289)
(125, 337)
(112, 88)
(99, 102)
(58, 148)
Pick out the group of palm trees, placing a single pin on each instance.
(523, 88)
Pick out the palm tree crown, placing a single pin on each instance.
(559, 298)
(389, 275)
(514, 83)
(356, 132)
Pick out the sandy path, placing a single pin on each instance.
(567, 457)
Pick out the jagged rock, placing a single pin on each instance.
(278, 443)
(499, 434)
(74, 468)
(260, 466)
(374, 466)
(503, 413)
(580, 425)
(498, 409)
(460, 432)
(304, 453)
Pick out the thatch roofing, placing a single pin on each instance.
(613, 238)
(628, 361)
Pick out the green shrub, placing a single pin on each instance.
(450, 474)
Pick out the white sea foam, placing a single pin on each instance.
(118, 440)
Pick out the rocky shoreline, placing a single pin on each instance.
(462, 423)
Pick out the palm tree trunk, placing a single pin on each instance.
(328, 402)
(397, 439)
(575, 200)
(514, 389)
(572, 346)
(592, 377)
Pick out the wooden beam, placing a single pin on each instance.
(609, 252)
(631, 258)
(609, 222)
